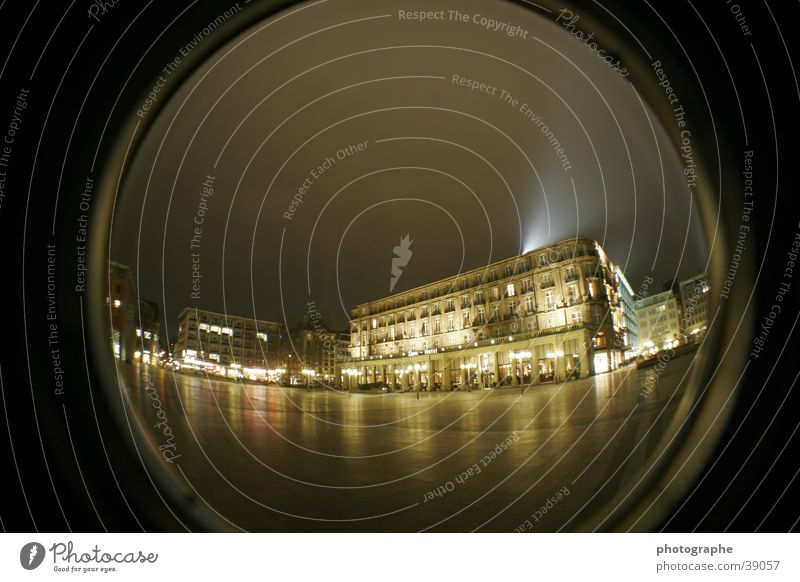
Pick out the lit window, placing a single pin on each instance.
(572, 293)
(138, 333)
(117, 303)
(510, 291)
(262, 336)
(529, 304)
(203, 327)
(215, 329)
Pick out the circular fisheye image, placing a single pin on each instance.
(381, 268)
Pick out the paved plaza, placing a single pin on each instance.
(540, 458)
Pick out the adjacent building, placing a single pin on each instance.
(148, 349)
(549, 314)
(230, 345)
(659, 318)
(122, 302)
(694, 302)
(630, 325)
(316, 351)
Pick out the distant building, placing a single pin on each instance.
(230, 345)
(549, 314)
(630, 324)
(316, 351)
(694, 303)
(660, 321)
(342, 356)
(147, 328)
(122, 302)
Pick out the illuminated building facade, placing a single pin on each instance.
(659, 318)
(694, 302)
(546, 315)
(230, 345)
(630, 326)
(122, 302)
(148, 349)
(313, 352)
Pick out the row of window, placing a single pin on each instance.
(220, 341)
(220, 321)
(550, 300)
(453, 340)
(374, 337)
(522, 265)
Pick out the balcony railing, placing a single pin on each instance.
(547, 284)
(496, 335)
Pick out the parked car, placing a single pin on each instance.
(375, 387)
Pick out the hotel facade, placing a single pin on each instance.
(546, 315)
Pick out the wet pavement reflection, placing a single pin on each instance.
(538, 458)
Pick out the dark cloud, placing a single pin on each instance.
(470, 176)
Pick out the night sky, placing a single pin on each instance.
(465, 173)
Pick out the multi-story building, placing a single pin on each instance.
(316, 352)
(342, 356)
(310, 361)
(122, 302)
(694, 301)
(147, 328)
(659, 318)
(630, 325)
(230, 345)
(548, 314)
